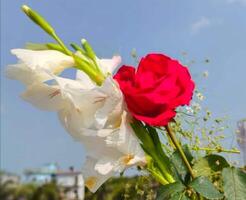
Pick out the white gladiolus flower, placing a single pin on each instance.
(96, 118)
(93, 115)
(126, 153)
(34, 65)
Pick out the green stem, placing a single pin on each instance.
(158, 177)
(164, 170)
(151, 145)
(217, 150)
(180, 150)
(91, 72)
(62, 44)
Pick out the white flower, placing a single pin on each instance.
(196, 107)
(93, 115)
(205, 74)
(97, 120)
(189, 110)
(126, 152)
(200, 96)
(36, 66)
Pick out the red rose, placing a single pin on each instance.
(154, 90)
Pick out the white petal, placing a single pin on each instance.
(26, 75)
(109, 65)
(126, 141)
(84, 79)
(93, 179)
(44, 97)
(112, 103)
(105, 165)
(89, 108)
(52, 60)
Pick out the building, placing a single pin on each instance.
(70, 182)
(10, 178)
(241, 138)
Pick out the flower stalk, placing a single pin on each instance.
(152, 146)
(216, 150)
(92, 70)
(41, 22)
(180, 150)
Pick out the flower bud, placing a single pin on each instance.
(38, 19)
(57, 47)
(87, 47)
(77, 48)
(36, 46)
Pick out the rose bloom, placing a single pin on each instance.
(154, 90)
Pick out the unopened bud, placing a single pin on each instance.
(38, 19)
(87, 47)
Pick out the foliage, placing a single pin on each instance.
(234, 183)
(182, 172)
(199, 168)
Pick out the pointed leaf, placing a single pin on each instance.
(234, 183)
(180, 196)
(179, 163)
(209, 164)
(205, 188)
(166, 192)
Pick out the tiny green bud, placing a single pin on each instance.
(77, 48)
(87, 47)
(81, 64)
(57, 47)
(36, 46)
(38, 19)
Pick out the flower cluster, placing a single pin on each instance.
(94, 115)
(112, 116)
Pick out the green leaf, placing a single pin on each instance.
(207, 165)
(180, 196)
(170, 191)
(205, 188)
(179, 163)
(234, 183)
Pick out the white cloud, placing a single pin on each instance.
(202, 23)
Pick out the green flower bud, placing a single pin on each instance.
(87, 47)
(77, 48)
(57, 47)
(38, 19)
(81, 64)
(36, 46)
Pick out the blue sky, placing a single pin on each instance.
(214, 29)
